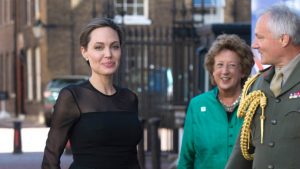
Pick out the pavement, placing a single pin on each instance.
(28, 160)
(33, 160)
(33, 137)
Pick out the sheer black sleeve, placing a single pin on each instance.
(66, 113)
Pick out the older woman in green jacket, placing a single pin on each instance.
(211, 125)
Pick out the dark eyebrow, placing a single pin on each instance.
(111, 43)
(116, 42)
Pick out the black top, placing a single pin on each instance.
(103, 130)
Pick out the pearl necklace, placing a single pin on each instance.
(230, 108)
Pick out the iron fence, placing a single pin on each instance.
(160, 64)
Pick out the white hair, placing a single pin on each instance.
(284, 20)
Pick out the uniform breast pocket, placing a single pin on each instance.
(291, 124)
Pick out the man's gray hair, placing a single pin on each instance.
(284, 20)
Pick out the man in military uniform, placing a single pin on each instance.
(272, 140)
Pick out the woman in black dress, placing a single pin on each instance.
(99, 118)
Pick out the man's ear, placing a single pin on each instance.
(284, 40)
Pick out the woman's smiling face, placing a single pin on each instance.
(227, 71)
(103, 51)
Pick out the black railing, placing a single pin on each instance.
(160, 65)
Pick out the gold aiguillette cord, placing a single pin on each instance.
(262, 120)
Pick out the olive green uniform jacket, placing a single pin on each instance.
(281, 141)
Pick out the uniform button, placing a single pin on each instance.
(274, 122)
(277, 100)
(230, 146)
(230, 135)
(271, 167)
(271, 144)
(231, 126)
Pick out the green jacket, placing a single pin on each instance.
(208, 136)
(281, 141)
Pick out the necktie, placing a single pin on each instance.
(276, 82)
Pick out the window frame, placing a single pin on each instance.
(133, 19)
(208, 3)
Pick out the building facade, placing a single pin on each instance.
(39, 39)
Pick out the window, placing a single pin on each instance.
(28, 12)
(132, 12)
(213, 11)
(37, 9)
(29, 75)
(132, 7)
(12, 10)
(1, 11)
(208, 3)
(2, 70)
(38, 74)
(6, 12)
